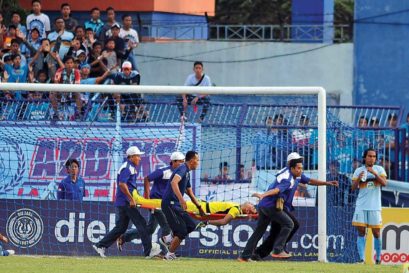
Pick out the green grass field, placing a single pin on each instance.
(42, 264)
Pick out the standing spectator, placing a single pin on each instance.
(85, 79)
(15, 50)
(95, 22)
(368, 179)
(119, 43)
(301, 138)
(80, 34)
(81, 57)
(174, 206)
(106, 29)
(75, 47)
(134, 100)
(389, 137)
(73, 186)
(362, 122)
(60, 38)
(243, 175)
(3, 31)
(95, 60)
(160, 179)
(126, 208)
(3, 252)
(70, 23)
(31, 44)
(10, 35)
(16, 21)
(223, 176)
(374, 122)
(406, 125)
(343, 196)
(109, 54)
(130, 37)
(67, 74)
(38, 19)
(44, 59)
(198, 78)
(17, 72)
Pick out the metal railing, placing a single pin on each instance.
(271, 33)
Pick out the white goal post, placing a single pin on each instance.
(150, 89)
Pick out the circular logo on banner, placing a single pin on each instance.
(12, 165)
(24, 228)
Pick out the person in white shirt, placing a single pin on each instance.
(38, 20)
(198, 78)
(130, 37)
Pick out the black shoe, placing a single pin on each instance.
(378, 262)
(256, 257)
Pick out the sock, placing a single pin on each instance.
(377, 245)
(361, 247)
(170, 254)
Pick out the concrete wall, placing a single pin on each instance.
(271, 64)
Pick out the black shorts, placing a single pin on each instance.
(179, 221)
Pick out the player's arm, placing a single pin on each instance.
(146, 187)
(124, 189)
(192, 196)
(221, 222)
(356, 178)
(355, 183)
(378, 178)
(3, 239)
(61, 192)
(174, 184)
(102, 78)
(266, 194)
(317, 182)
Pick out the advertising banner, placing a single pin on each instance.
(52, 227)
(394, 236)
(32, 159)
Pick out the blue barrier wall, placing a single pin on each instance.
(313, 12)
(381, 53)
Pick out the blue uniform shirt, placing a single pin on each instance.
(68, 190)
(287, 185)
(126, 174)
(169, 196)
(160, 179)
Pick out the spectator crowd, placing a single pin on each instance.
(67, 52)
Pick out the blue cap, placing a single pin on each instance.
(85, 65)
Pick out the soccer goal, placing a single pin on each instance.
(234, 140)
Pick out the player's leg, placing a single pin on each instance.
(267, 246)
(375, 222)
(166, 236)
(205, 101)
(178, 228)
(121, 224)
(360, 222)
(140, 224)
(262, 224)
(296, 225)
(287, 226)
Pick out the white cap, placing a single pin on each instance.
(177, 156)
(133, 150)
(293, 156)
(127, 64)
(79, 52)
